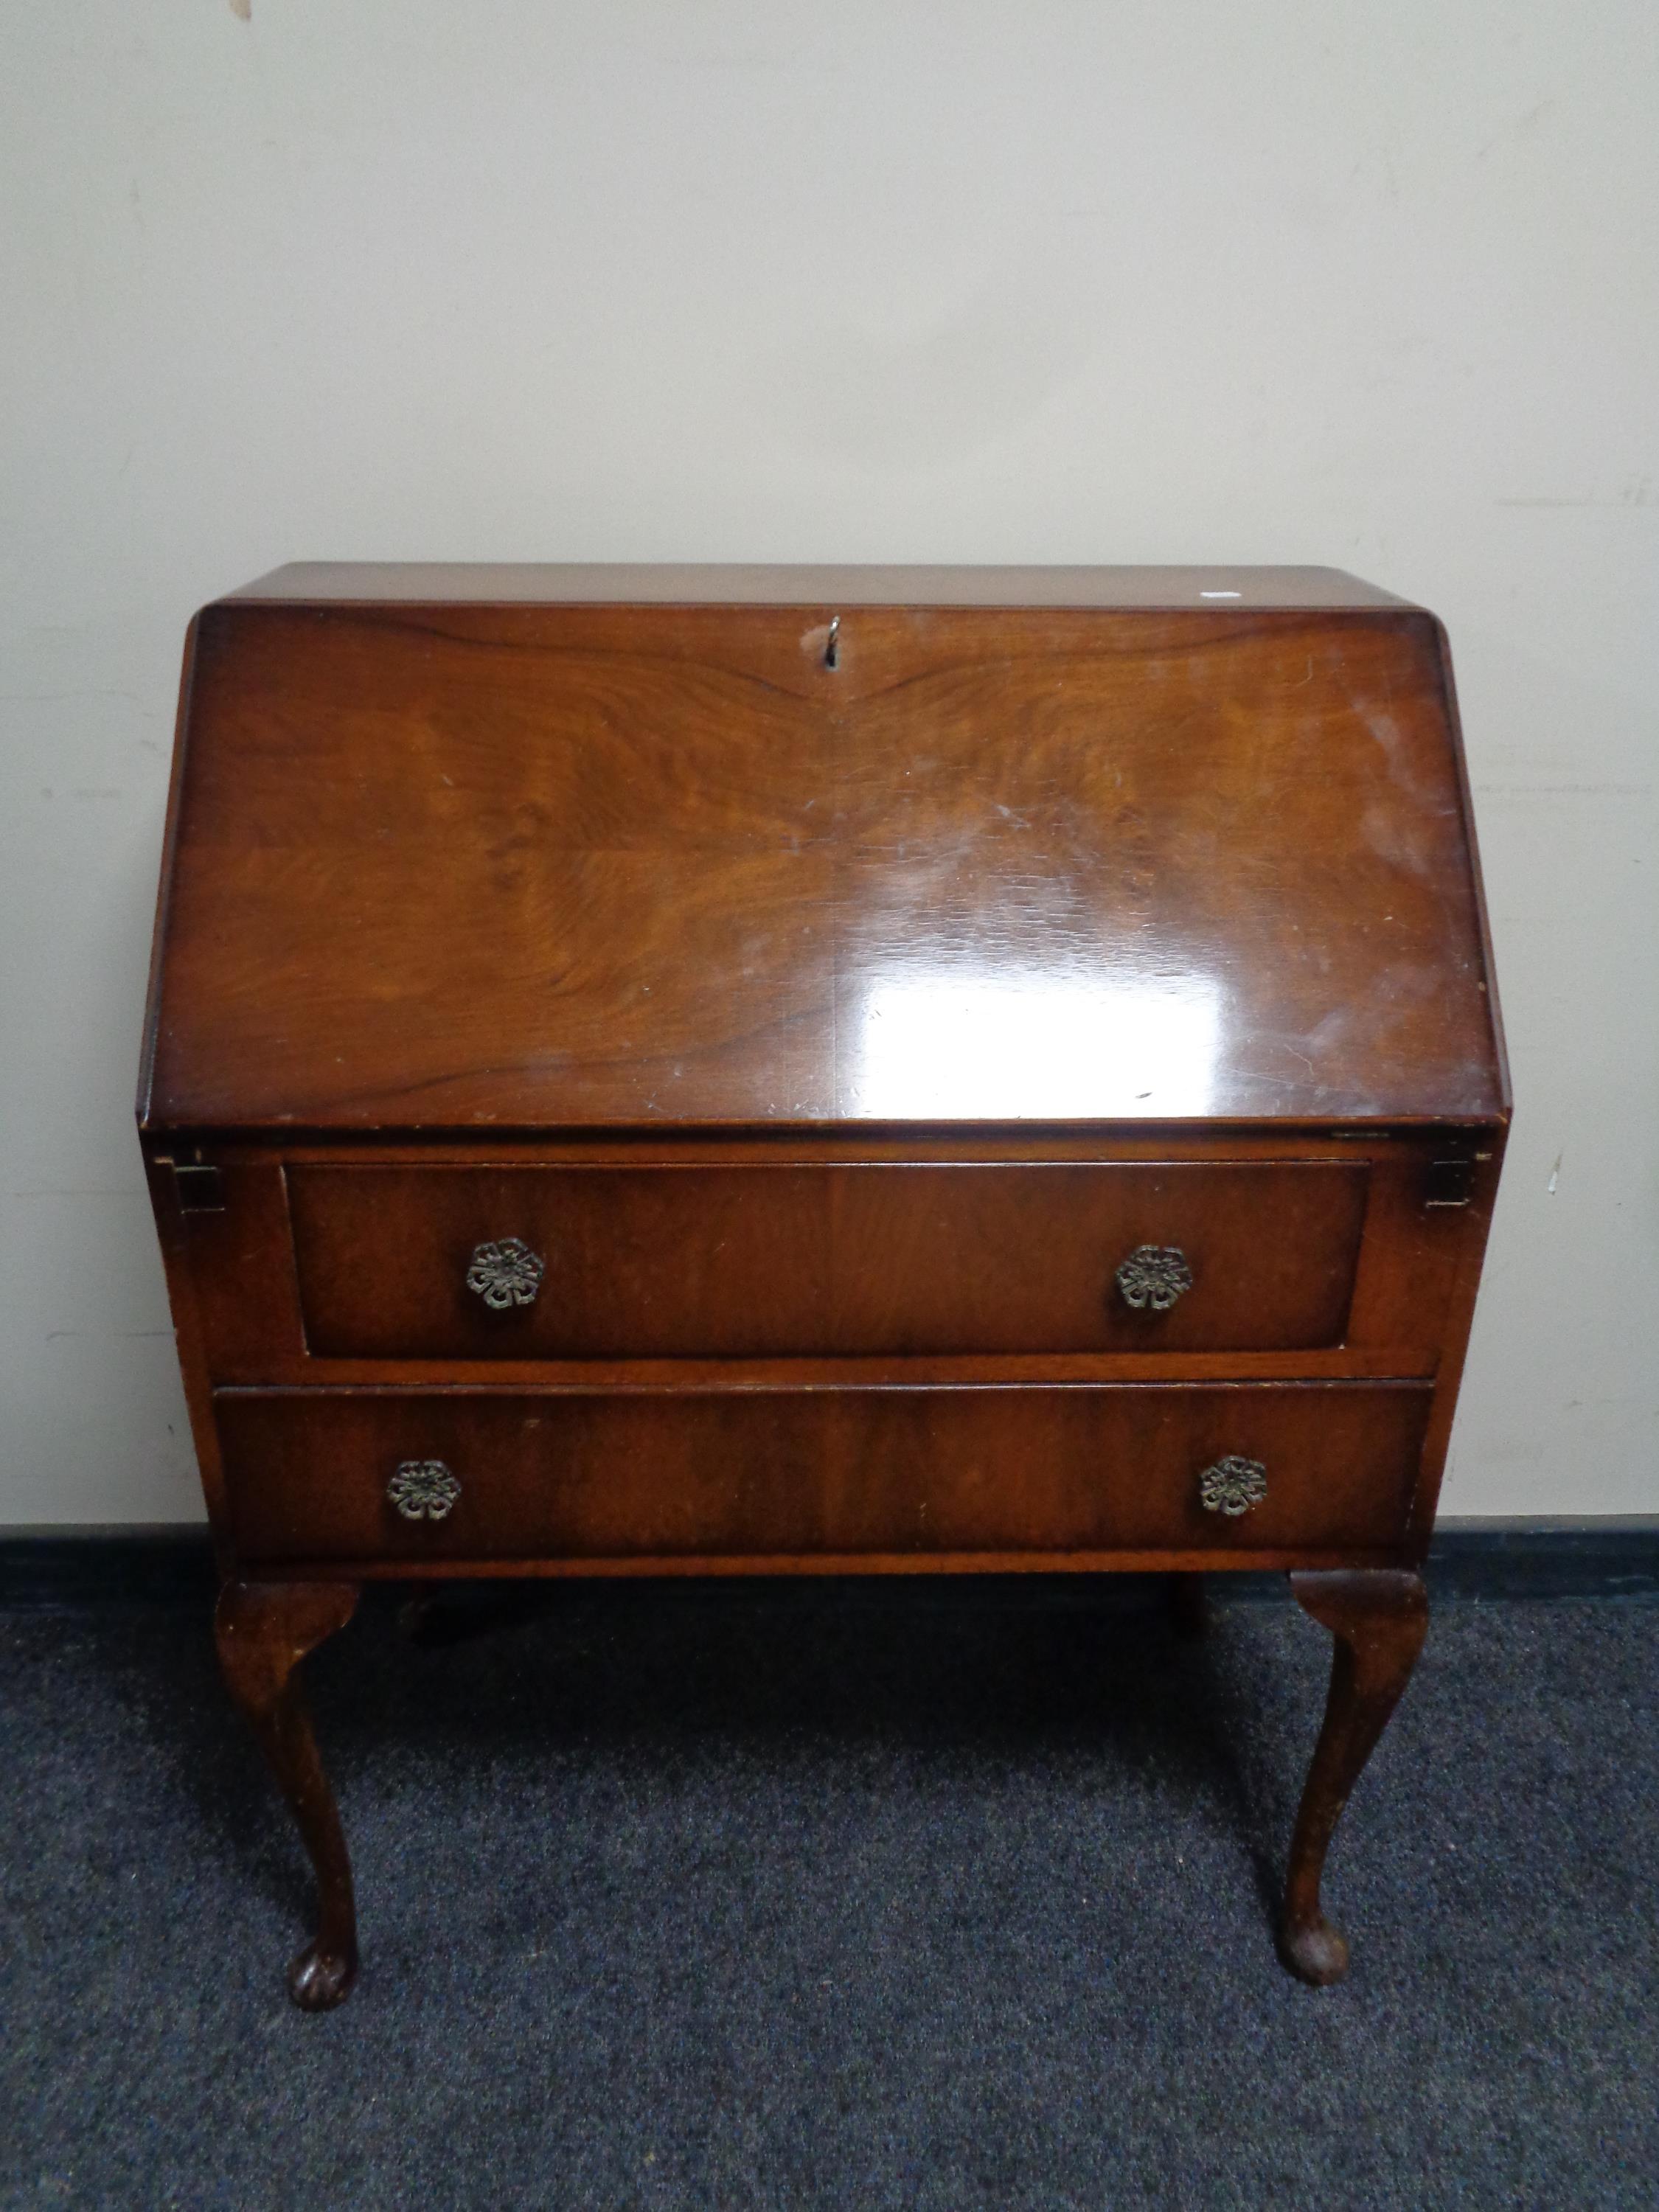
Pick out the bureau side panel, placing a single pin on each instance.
(190, 1341)
(1475, 1228)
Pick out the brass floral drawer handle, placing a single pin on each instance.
(423, 1490)
(1154, 1275)
(1233, 1486)
(504, 1273)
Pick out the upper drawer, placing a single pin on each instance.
(759, 1261)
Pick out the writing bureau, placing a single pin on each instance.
(715, 1070)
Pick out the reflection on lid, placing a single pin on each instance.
(967, 1045)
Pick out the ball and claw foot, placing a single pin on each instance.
(1317, 1952)
(318, 1981)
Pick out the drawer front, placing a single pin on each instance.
(758, 1261)
(578, 1475)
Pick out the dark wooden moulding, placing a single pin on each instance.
(997, 1069)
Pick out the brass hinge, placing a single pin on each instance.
(201, 1188)
(1450, 1182)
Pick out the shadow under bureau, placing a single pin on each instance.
(718, 1071)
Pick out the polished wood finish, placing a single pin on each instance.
(244, 1262)
(832, 975)
(1379, 1620)
(768, 1474)
(560, 866)
(759, 1263)
(263, 1631)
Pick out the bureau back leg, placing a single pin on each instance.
(263, 1629)
(1189, 1609)
(1378, 1618)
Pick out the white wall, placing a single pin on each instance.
(1063, 280)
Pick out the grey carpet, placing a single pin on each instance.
(806, 1898)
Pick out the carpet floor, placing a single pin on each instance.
(825, 1897)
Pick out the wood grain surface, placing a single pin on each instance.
(583, 866)
(781, 1473)
(831, 975)
(758, 1262)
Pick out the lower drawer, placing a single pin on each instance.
(790, 1474)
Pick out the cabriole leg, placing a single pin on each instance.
(263, 1629)
(1378, 1618)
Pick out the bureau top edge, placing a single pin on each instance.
(1152, 588)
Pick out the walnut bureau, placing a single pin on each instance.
(727, 1071)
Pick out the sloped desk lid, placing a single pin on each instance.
(566, 848)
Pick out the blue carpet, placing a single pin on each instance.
(815, 1897)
